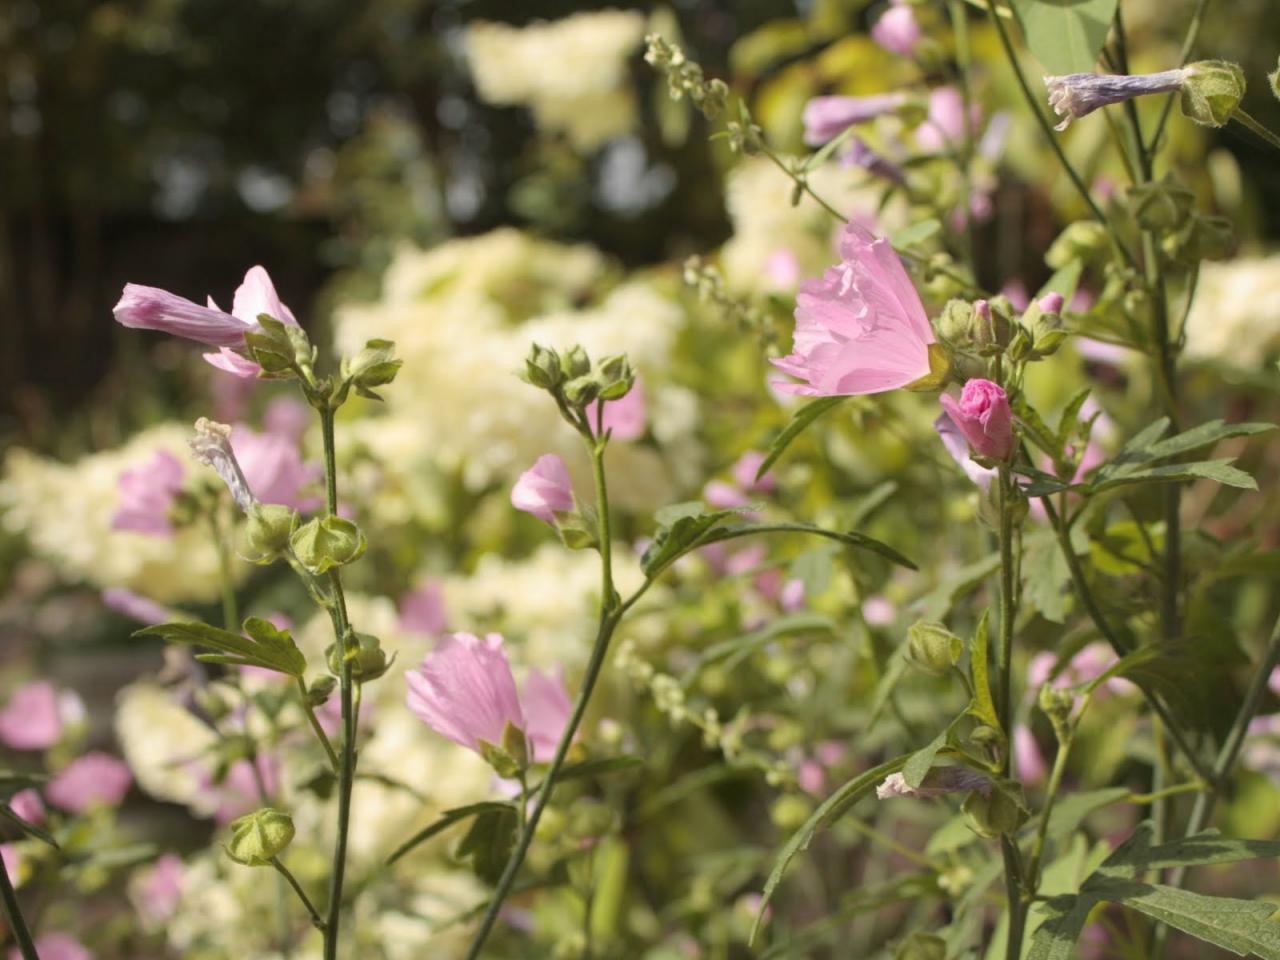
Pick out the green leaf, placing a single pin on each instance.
(983, 705)
(935, 604)
(800, 421)
(681, 528)
(271, 649)
(1071, 810)
(1202, 436)
(1066, 36)
(1203, 848)
(921, 762)
(598, 767)
(850, 538)
(447, 820)
(915, 234)
(1218, 470)
(27, 827)
(1045, 576)
(828, 811)
(489, 842)
(1056, 938)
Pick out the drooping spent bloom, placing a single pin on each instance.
(1078, 94)
(826, 117)
(544, 489)
(96, 779)
(56, 946)
(624, 417)
(273, 468)
(36, 715)
(212, 446)
(150, 308)
(422, 609)
(464, 690)
(938, 781)
(861, 328)
(982, 414)
(138, 607)
(147, 495)
(546, 708)
(944, 123)
(897, 30)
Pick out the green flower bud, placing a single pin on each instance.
(320, 691)
(581, 391)
(1084, 240)
(368, 660)
(1212, 91)
(615, 377)
(374, 366)
(921, 946)
(542, 368)
(994, 812)
(932, 648)
(269, 529)
(258, 837)
(326, 542)
(955, 323)
(271, 348)
(1160, 205)
(1056, 703)
(575, 362)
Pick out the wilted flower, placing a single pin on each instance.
(212, 446)
(937, 781)
(1078, 94)
(861, 328)
(36, 715)
(826, 117)
(96, 779)
(147, 495)
(982, 414)
(464, 690)
(544, 489)
(897, 30)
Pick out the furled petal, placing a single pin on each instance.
(544, 489)
(150, 308)
(257, 294)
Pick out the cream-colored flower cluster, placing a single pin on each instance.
(65, 512)
(1235, 319)
(572, 73)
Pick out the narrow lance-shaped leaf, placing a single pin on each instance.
(446, 820)
(800, 422)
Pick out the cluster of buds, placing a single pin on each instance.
(684, 77)
(575, 381)
(990, 328)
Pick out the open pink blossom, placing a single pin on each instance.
(546, 707)
(147, 494)
(744, 473)
(897, 30)
(625, 417)
(861, 328)
(95, 780)
(36, 715)
(56, 946)
(422, 609)
(544, 489)
(158, 891)
(464, 690)
(982, 414)
(826, 117)
(274, 469)
(944, 124)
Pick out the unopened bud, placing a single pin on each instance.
(259, 837)
(268, 531)
(932, 648)
(994, 813)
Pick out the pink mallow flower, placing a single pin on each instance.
(625, 417)
(744, 473)
(157, 891)
(56, 946)
(147, 494)
(28, 805)
(861, 328)
(954, 442)
(36, 715)
(464, 690)
(422, 609)
(94, 780)
(982, 414)
(544, 489)
(272, 466)
(826, 117)
(546, 707)
(150, 308)
(944, 124)
(897, 30)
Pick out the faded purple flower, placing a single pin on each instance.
(212, 447)
(147, 495)
(1078, 94)
(938, 781)
(464, 690)
(943, 127)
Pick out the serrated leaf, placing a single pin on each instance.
(1138, 856)
(445, 821)
(799, 422)
(1220, 471)
(921, 762)
(828, 811)
(1066, 36)
(1203, 435)
(1055, 939)
(983, 705)
(489, 842)
(233, 649)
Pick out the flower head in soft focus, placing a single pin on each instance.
(273, 467)
(825, 118)
(464, 690)
(625, 417)
(544, 489)
(150, 308)
(982, 415)
(56, 946)
(36, 716)
(137, 607)
(943, 127)
(147, 495)
(28, 805)
(422, 609)
(546, 708)
(897, 30)
(861, 328)
(94, 780)
(156, 891)
(1078, 94)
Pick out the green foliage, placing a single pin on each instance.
(489, 842)
(1065, 37)
(264, 647)
(446, 820)
(800, 421)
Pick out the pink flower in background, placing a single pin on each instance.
(826, 117)
(159, 891)
(624, 416)
(138, 607)
(861, 328)
(744, 473)
(464, 690)
(147, 494)
(28, 805)
(273, 468)
(1050, 303)
(57, 946)
(287, 417)
(239, 792)
(96, 779)
(812, 778)
(982, 414)
(724, 496)
(879, 611)
(547, 708)
(782, 269)
(36, 715)
(422, 609)
(944, 126)
(792, 597)
(544, 489)
(897, 30)
(11, 856)
(1028, 758)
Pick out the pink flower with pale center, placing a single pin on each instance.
(897, 30)
(464, 690)
(983, 416)
(159, 890)
(724, 496)
(422, 609)
(147, 495)
(546, 708)
(56, 946)
(36, 715)
(95, 780)
(625, 417)
(544, 489)
(861, 328)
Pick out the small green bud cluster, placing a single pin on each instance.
(282, 350)
(576, 382)
(374, 366)
(269, 530)
(684, 77)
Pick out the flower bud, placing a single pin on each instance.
(1056, 703)
(955, 323)
(1212, 91)
(326, 542)
(368, 660)
(320, 691)
(259, 837)
(509, 757)
(921, 946)
(615, 376)
(374, 366)
(581, 391)
(270, 527)
(542, 368)
(575, 362)
(932, 648)
(994, 813)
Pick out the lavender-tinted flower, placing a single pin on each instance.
(212, 446)
(825, 118)
(937, 781)
(1079, 94)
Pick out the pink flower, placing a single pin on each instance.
(159, 889)
(138, 607)
(273, 468)
(239, 793)
(897, 30)
(256, 295)
(983, 416)
(812, 777)
(954, 442)
(826, 117)
(422, 609)
(944, 125)
(464, 690)
(28, 805)
(861, 328)
(879, 611)
(1029, 760)
(624, 416)
(745, 470)
(11, 857)
(724, 496)
(96, 779)
(56, 946)
(287, 417)
(782, 269)
(547, 708)
(792, 597)
(544, 489)
(147, 494)
(1050, 303)
(35, 716)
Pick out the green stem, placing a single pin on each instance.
(960, 27)
(13, 916)
(610, 613)
(315, 725)
(1051, 796)
(316, 920)
(1143, 799)
(1248, 122)
(1188, 44)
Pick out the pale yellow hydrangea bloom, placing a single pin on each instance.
(1235, 318)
